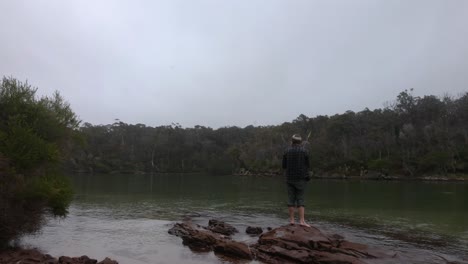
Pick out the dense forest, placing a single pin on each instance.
(411, 136)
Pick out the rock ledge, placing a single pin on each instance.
(285, 244)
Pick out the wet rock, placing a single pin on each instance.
(108, 261)
(180, 229)
(253, 230)
(298, 244)
(76, 260)
(26, 256)
(233, 249)
(221, 227)
(191, 214)
(286, 244)
(30, 256)
(196, 238)
(84, 260)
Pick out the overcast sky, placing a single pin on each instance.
(225, 63)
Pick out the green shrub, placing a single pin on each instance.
(34, 135)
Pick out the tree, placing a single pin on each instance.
(35, 135)
(413, 136)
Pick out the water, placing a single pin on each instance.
(126, 217)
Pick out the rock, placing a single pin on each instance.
(253, 230)
(76, 260)
(180, 229)
(285, 244)
(191, 214)
(25, 256)
(298, 244)
(233, 249)
(30, 256)
(221, 227)
(108, 261)
(195, 238)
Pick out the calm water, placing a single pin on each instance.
(126, 217)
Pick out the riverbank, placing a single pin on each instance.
(29, 256)
(372, 177)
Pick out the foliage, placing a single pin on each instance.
(35, 136)
(413, 136)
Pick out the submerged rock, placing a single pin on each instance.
(285, 244)
(253, 230)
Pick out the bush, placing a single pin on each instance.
(34, 135)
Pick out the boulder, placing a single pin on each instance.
(197, 239)
(233, 249)
(221, 227)
(299, 244)
(253, 230)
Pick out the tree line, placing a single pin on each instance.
(411, 136)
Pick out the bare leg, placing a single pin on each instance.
(291, 214)
(301, 217)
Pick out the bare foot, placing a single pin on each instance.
(304, 224)
(291, 222)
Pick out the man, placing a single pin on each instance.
(296, 166)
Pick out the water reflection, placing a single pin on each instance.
(127, 216)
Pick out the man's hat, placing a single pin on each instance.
(297, 137)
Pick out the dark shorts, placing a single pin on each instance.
(296, 193)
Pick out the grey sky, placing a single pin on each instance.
(219, 63)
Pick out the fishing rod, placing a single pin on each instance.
(305, 142)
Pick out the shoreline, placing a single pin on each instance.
(34, 255)
(453, 178)
(373, 177)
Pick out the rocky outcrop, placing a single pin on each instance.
(285, 244)
(30, 256)
(299, 244)
(253, 230)
(195, 238)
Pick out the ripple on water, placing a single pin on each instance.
(133, 228)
